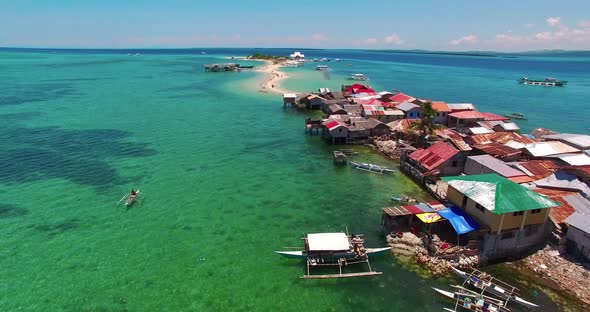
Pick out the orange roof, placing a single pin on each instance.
(521, 179)
(468, 115)
(500, 137)
(441, 107)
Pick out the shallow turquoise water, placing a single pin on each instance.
(227, 176)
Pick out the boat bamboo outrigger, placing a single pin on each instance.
(370, 167)
(487, 283)
(334, 249)
(129, 198)
(547, 82)
(472, 301)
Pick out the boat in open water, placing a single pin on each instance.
(360, 77)
(322, 67)
(492, 286)
(370, 167)
(519, 116)
(336, 250)
(547, 82)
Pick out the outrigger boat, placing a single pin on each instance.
(129, 198)
(370, 167)
(487, 283)
(515, 116)
(360, 77)
(472, 301)
(547, 82)
(334, 249)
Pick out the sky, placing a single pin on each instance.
(450, 25)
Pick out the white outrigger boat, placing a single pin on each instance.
(334, 249)
(487, 283)
(472, 301)
(129, 198)
(360, 77)
(370, 167)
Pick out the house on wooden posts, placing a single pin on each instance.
(335, 131)
(353, 109)
(514, 216)
(411, 110)
(334, 109)
(313, 102)
(375, 127)
(289, 99)
(440, 159)
(442, 112)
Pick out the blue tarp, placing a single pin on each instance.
(461, 222)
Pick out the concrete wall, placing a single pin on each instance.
(441, 118)
(447, 168)
(580, 241)
(513, 243)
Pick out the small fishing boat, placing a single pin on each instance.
(472, 301)
(322, 67)
(547, 82)
(370, 167)
(132, 197)
(324, 59)
(487, 283)
(515, 116)
(360, 77)
(335, 250)
(337, 60)
(403, 199)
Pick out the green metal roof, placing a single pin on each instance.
(498, 194)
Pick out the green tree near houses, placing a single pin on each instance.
(426, 125)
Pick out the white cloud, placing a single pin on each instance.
(554, 21)
(584, 24)
(371, 41)
(394, 39)
(529, 25)
(469, 39)
(319, 37)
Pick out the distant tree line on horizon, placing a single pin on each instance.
(268, 57)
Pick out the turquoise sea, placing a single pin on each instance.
(227, 177)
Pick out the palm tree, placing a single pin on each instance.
(426, 125)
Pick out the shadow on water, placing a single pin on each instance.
(80, 156)
(53, 229)
(14, 94)
(11, 211)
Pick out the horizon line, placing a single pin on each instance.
(293, 48)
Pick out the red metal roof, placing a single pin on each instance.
(434, 156)
(441, 107)
(468, 115)
(400, 97)
(359, 88)
(558, 214)
(493, 117)
(497, 150)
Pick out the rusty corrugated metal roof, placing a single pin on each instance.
(558, 214)
(538, 169)
(497, 150)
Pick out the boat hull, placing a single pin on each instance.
(496, 290)
(300, 254)
(371, 167)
